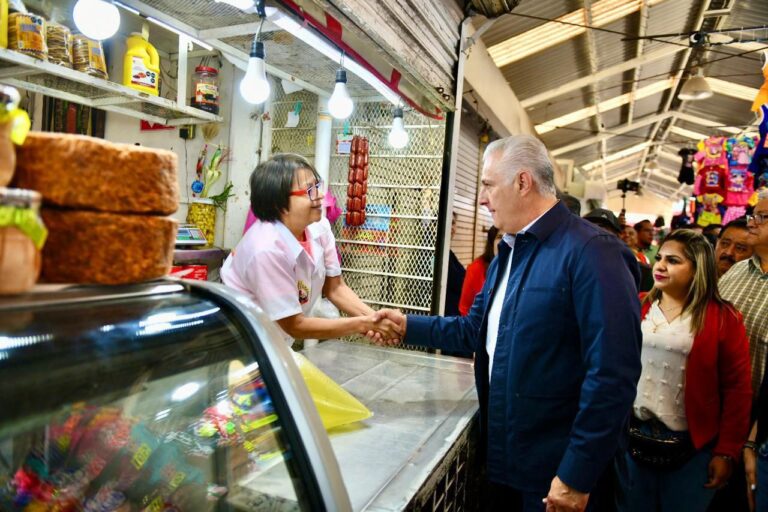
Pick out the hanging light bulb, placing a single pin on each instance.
(695, 88)
(255, 87)
(398, 137)
(340, 104)
(96, 19)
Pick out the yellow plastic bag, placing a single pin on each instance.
(334, 404)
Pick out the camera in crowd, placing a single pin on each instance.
(628, 185)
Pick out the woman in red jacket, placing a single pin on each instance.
(691, 414)
(475, 277)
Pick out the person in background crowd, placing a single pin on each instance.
(660, 231)
(645, 233)
(455, 281)
(604, 219)
(287, 259)
(732, 245)
(756, 454)
(573, 203)
(691, 413)
(711, 233)
(475, 278)
(556, 336)
(629, 236)
(746, 286)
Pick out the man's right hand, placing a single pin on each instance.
(395, 317)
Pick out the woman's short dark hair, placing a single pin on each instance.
(490, 244)
(272, 182)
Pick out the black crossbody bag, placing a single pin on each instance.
(660, 448)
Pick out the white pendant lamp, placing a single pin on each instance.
(254, 87)
(96, 19)
(398, 137)
(695, 88)
(340, 104)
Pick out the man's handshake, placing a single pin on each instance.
(386, 327)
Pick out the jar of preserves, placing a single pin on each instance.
(206, 86)
(22, 235)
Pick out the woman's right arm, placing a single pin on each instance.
(304, 327)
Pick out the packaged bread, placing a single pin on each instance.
(58, 38)
(76, 171)
(26, 34)
(88, 55)
(106, 248)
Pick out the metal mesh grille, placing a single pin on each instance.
(389, 261)
(300, 139)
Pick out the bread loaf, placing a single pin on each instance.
(75, 171)
(106, 248)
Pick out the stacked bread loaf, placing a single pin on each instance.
(105, 206)
(358, 182)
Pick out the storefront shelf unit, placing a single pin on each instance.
(28, 73)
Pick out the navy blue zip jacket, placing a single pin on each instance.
(567, 357)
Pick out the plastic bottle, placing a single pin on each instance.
(3, 23)
(141, 65)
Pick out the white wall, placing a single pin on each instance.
(238, 132)
(647, 206)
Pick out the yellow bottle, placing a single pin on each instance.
(141, 65)
(3, 23)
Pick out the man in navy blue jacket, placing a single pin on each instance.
(556, 334)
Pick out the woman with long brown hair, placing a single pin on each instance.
(691, 414)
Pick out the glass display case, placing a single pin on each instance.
(166, 396)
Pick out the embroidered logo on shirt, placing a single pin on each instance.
(303, 292)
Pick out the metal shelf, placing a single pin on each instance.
(28, 73)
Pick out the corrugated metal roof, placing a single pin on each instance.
(569, 61)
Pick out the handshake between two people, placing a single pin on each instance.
(385, 327)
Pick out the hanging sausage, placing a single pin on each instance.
(357, 177)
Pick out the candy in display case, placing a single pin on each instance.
(165, 396)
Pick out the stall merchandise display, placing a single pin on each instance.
(105, 206)
(22, 235)
(105, 458)
(59, 41)
(26, 34)
(729, 174)
(89, 57)
(357, 178)
(686, 174)
(205, 84)
(89, 173)
(141, 65)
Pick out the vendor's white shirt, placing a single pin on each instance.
(661, 389)
(272, 267)
(494, 314)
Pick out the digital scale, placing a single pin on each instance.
(189, 234)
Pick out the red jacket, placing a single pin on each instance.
(473, 283)
(718, 389)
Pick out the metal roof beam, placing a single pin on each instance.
(592, 59)
(641, 30)
(676, 83)
(602, 74)
(643, 121)
(689, 118)
(609, 104)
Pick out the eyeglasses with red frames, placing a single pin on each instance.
(312, 192)
(758, 218)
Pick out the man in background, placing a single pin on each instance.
(644, 230)
(732, 245)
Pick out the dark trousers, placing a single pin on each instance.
(499, 497)
(732, 497)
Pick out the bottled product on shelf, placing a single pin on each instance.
(141, 65)
(205, 82)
